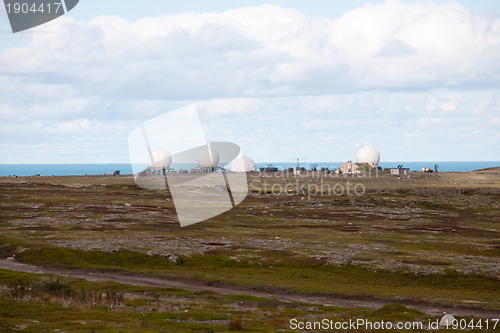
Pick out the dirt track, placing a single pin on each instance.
(280, 295)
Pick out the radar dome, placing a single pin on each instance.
(207, 157)
(243, 164)
(161, 159)
(368, 155)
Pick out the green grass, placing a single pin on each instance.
(295, 273)
(396, 312)
(70, 258)
(162, 310)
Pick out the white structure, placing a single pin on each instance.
(400, 171)
(348, 168)
(159, 159)
(446, 320)
(368, 155)
(243, 164)
(207, 157)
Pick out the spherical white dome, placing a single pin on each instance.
(368, 155)
(207, 157)
(243, 164)
(161, 159)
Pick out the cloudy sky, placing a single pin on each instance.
(419, 80)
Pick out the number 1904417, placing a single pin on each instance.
(26, 8)
(463, 324)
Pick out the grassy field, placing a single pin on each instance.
(34, 303)
(432, 239)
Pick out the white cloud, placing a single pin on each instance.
(395, 48)
(76, 125)
(228, 107)
(265, 77)
(267, 50)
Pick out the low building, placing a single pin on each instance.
(348, 168)
(399, 171)
(269, 168)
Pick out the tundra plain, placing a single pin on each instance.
(404, 250)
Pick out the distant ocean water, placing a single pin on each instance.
(125, 168)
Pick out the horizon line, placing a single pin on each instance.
(304, 162)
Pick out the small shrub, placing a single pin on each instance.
(235, 325)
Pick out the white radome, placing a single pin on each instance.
(207, 157)
(243, 164)
(368, 155)
(161, 159)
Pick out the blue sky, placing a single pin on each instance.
(315, 79)
(313, 8)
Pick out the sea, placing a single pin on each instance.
(23, 170)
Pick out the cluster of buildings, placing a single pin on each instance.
(367, 155)
(207, 159)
